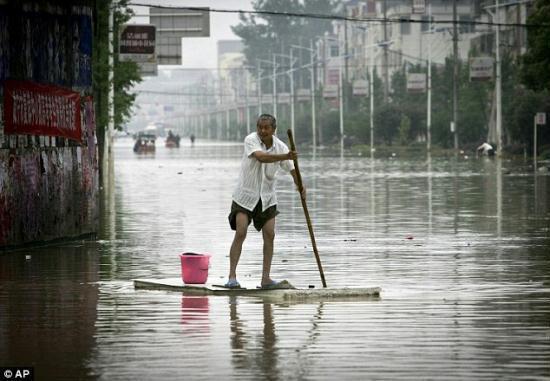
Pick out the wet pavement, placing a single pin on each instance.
(460, 249)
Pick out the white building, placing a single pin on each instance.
(408, 37)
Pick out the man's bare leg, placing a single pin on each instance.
(237, 245)
(268, 232)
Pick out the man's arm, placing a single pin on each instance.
(272, 158)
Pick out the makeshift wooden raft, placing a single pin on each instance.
(291, 294)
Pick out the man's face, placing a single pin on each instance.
(265, 130)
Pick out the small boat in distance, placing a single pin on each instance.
(172, 141)
(145, 143)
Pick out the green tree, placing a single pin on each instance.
(404, 130)
(442, 95)
(536, 61)
(527, 104)
(387, 120)
(474, 109)
(126, 74)
(265, 34)
(411, 104)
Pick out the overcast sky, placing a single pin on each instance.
(200, 52)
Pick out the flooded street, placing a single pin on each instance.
(460, 249)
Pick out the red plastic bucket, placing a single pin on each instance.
(194, 267)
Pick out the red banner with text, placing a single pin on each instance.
(36, 109)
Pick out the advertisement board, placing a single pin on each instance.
(36, 109)
(138, 44)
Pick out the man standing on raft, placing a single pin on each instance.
(254, 199)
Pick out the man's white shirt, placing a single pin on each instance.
(257, 179)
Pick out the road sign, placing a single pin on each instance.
(137, 43)
(540, 118)
(303, 95)
(360, 87)
(330, 91)
(173, 24)
(416, 82)
(481, 68)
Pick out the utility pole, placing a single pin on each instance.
(312, 88)
(346, 48)
(341, 102)
(429, 116)
(312, 84)
(227, 122)
(247, 84)
(385, 64)
(292, 122)
(498, 84)
(108, 153)
(371, 116)
(455, 77)
(274, 86)
(259, 87)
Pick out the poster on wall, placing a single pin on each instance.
(48, 44)
(36, 109)
(81, 30)
(4, 45)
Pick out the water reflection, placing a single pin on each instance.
(195, 314)
(248, 355)
(256, 349)
(499, 195)
(429, 193)
(48, 310)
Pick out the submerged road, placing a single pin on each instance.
(460, 249)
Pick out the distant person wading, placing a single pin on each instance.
(254, 198)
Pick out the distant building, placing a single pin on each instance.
(231, 74)
(408, 38)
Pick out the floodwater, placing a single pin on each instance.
(459, 247)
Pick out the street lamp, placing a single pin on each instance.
(312, 89)
(273, 80)
(290, 73)
(340, 92)
(498, 88)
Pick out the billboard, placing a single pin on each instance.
(173, 24)
(32, 108)
(137, 43)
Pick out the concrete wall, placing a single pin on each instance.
(48, 184)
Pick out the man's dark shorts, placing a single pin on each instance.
(259, 217)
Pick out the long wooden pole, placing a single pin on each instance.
(304, 206)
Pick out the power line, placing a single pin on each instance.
(344, 18)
